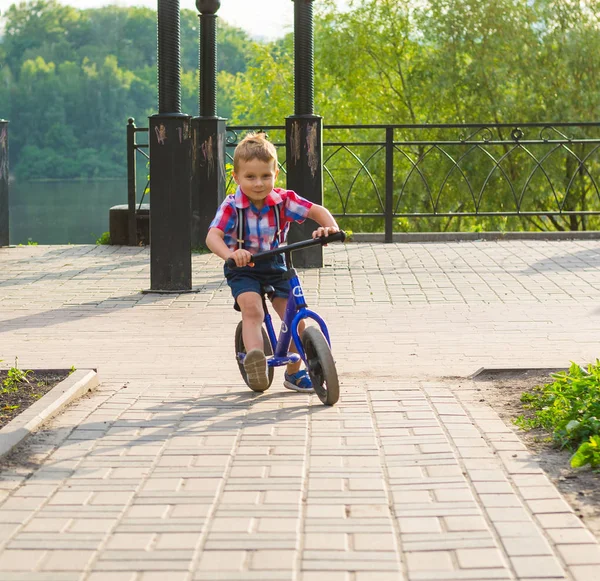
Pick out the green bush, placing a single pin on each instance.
(587, 453)
(569, 409)
(104, 238)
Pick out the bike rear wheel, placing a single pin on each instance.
(240, 348)
(321, 366)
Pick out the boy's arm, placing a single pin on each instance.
(215, 241)
(323, 217)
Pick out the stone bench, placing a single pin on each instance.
(119, 224)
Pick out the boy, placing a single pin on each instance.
(266, 212)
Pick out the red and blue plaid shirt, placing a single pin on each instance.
(260, 228)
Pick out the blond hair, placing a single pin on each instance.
(254, 146)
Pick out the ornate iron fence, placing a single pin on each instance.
(134, 151)
(526, 176)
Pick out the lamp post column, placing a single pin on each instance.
(170, 158)
(304, 132)
(208, 130)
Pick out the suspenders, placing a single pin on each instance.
(241, 226)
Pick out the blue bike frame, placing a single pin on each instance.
(295, 311)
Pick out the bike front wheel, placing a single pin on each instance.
(321, 366)
(240, 348)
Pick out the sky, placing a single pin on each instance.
(268, 19)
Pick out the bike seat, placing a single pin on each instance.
(266, 289)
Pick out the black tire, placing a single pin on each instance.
(240, 348)
(321, 366)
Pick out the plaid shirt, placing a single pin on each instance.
(260, 227)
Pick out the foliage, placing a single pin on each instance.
(434, 62)
(69, 79)
(14, 377)
(587, 453)
(568, 408)
(104, 238)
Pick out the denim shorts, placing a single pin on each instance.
(251, 278)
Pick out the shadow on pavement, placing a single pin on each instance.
(583, 259)
(190, 417)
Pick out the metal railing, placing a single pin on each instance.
(133, 150)
(455, 177)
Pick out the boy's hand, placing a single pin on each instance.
(241, 257)
(325, 231)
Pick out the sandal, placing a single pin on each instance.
(299, 381)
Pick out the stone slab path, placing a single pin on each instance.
(174, 470)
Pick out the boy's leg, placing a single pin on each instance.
(255, 363)
(253, 315)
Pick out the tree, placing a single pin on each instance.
(69, 79)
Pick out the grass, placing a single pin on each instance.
(21, 388)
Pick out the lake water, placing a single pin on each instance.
(62, 212)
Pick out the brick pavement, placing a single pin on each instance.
(173, 470)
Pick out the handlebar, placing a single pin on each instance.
(288, 248)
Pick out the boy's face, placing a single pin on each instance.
(257, 179)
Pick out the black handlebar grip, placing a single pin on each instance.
(230, 263)
(337, 237)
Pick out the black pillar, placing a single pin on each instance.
(3, 182)
(304, 131)
(208, 130)
(170, 165)
(207, 57)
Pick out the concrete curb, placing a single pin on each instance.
(499, 371)
(79, 382)
(377, 237)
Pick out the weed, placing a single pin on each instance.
(14, 377)
(104, 238)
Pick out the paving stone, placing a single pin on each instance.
(60, 560)
(479, 558)
(534, 546)
(328, 576)
(429, 561)
(112, 576)
(329, 541)
(163, 575)
(173, 455)
(580, 554)
(125, 541)
(373, 542)
(20, 560)
(465, 523)
(265, 560)
(222, 561)
(419, 525)
(571, 536)
(531, 566)
(584, 572)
